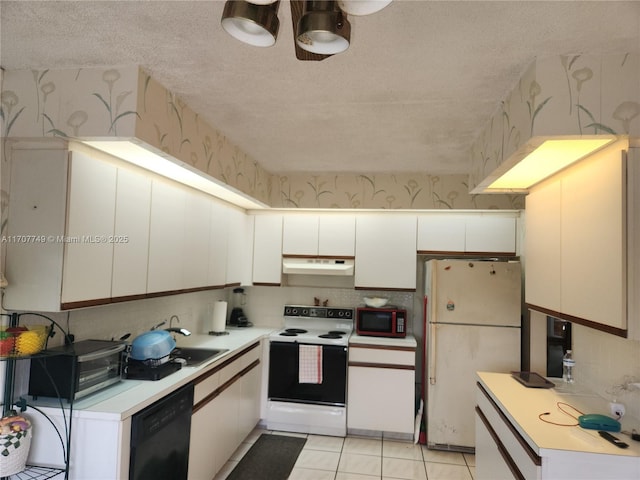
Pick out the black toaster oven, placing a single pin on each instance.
(76, 370)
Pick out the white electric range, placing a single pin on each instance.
(308, 370)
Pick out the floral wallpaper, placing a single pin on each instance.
(561, 95)
(399, 191)
(123, 102)
(126, 102)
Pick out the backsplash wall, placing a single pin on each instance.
(113, 321)
(264, 308)
(603, 361)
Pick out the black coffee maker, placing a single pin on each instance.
(237, 318)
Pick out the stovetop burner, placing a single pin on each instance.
(292, 332)
(296, 330)
(330, 335)
(337, 332)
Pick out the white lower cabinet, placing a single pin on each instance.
(495, 464)
(513, 442)
(381, 389)
(205, 440)
(249, 406)
(381, 399)
(503, 453)
(99, 446)
(226, 409)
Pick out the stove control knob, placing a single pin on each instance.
(330, 313)
(294, 311)
(305, 312)
(341, 313)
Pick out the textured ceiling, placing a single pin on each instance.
(411, 94)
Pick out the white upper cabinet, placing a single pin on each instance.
(337, 235)
(267, 249)
(239, 247)
(166, 237)
(493, 233)
(37, 210)
(441, 232)
(90, 214)
(542, 245)
(386, 251)
(218, 241)
(300, 234)
(467, 232)
(195, 247)
(329, 235)
(593, 247)
(131, 234)
(90, 220)
(576, 243)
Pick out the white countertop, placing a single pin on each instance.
(130, 396)
(523, 405)
(409, 341)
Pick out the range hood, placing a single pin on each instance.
(318, 266)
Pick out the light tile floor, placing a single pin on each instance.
(365, 458)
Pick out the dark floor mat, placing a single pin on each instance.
(272, 457)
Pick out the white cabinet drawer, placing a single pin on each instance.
(205, 385)
(382, 356)
(524, 458)
(239, 363)
(215, 378)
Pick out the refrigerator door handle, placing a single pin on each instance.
(432, 353)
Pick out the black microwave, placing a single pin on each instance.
(381, 322)
(76, 370)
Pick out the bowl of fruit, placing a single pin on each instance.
(15, 441)
(21, 341)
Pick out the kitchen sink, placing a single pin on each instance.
(196, 356)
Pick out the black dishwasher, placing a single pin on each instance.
(160, 438)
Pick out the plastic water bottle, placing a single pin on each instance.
(567, 367)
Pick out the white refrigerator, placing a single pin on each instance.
(472, 323)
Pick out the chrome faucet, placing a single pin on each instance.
(182, 331)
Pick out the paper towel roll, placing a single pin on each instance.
(219, 316)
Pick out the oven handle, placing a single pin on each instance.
(101, 353)
(96, 374)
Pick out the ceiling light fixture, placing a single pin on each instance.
(150, 158)
(320, 27)
(251, 23)
(323, 29)
(546, 159)
(362, 7)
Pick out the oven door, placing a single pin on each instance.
(283, 375)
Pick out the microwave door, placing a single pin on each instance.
(374, 322)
